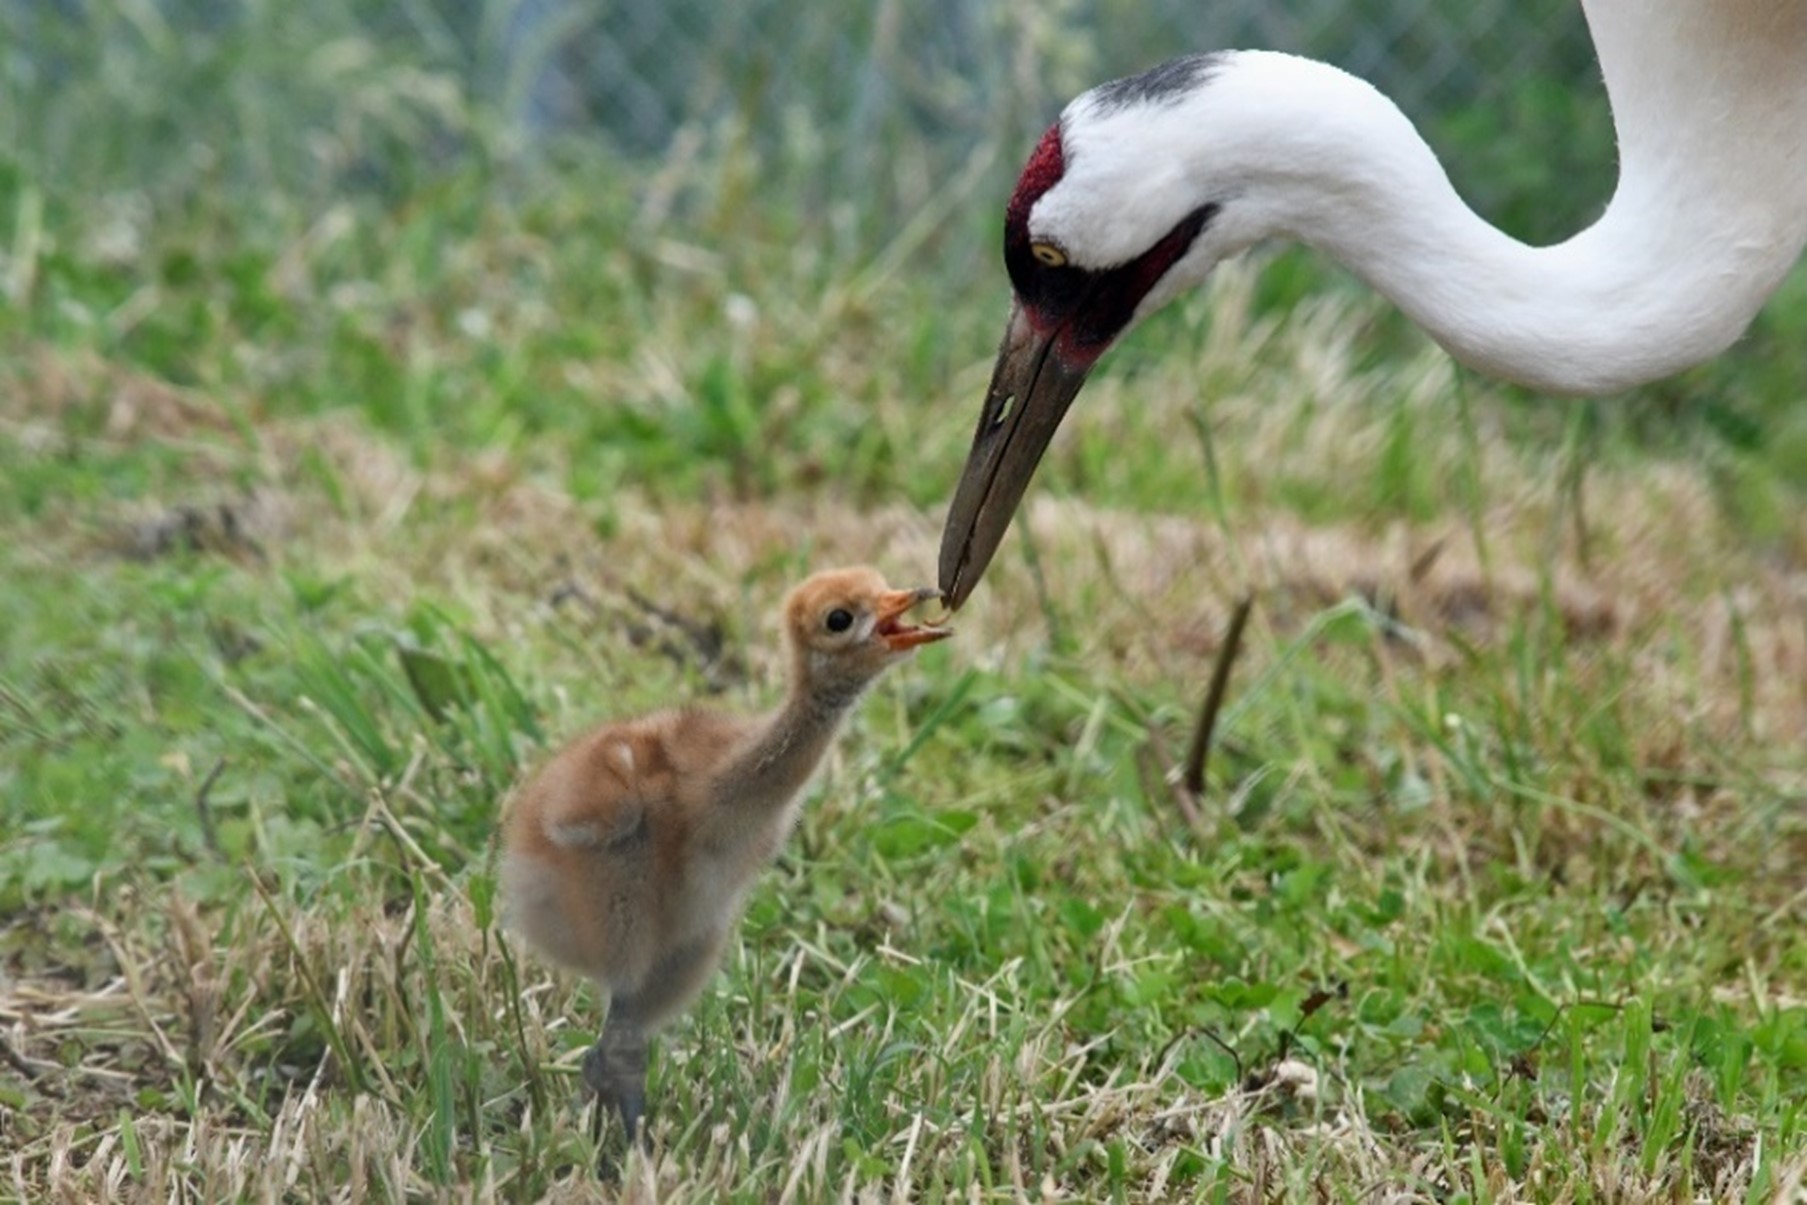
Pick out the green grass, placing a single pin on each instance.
(328, 516)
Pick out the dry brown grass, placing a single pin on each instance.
(181, 1017)
(1717, 632)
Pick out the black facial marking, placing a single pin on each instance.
(1162, 85)
(1092, 306)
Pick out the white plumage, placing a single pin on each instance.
(1709, 102)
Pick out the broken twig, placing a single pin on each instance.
(204, 809)
(1194, 778)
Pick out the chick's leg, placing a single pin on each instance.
(615, 1068)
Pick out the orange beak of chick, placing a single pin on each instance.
(891, 628)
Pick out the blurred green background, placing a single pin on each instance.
(884, 129)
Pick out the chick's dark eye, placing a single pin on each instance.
(839, 619)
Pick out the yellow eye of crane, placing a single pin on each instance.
(1049, 254)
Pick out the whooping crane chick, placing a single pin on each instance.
(627, 858)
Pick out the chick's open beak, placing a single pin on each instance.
(890, 626)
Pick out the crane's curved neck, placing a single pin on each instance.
(1709, 100)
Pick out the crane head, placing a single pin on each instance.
(1092, 237)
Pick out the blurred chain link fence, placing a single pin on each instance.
(871, 102)
(640, 70)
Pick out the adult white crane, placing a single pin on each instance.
(1147, 183)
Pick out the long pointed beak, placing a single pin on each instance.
(1030, 392)
(889, 613)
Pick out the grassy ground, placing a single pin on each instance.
(324, 521)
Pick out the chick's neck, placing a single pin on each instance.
(787, 746)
